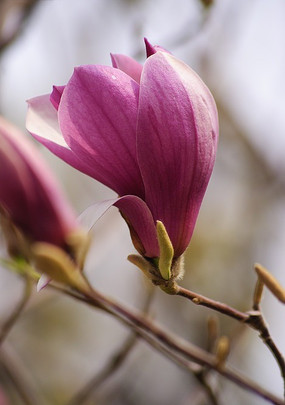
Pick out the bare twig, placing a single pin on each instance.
(201, 377)
(18, 380)
(182, 351)
(253, 319)
(17, 311)
(113, 365)
(212, 304)
(260, 325)
(116, 361)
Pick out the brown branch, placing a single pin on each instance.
(253, 319)
(212, 304)
(202, 379)
(258, 323)
(114, 364)
(118, 359)
(18, 380)
(17, 311)
(183, 352)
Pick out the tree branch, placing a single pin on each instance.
(113, 365)
(17, 311)
(254, 319)
(183, 352)
(18, 380)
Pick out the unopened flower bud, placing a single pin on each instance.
(271, 282)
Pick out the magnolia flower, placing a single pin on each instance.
(148, 132)
(36, 219)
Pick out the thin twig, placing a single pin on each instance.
(253, 319)
(113, 365)
(18, 380)
(212, 304)
(118, 359)
(202, 379)
(157, 336)
(265, 336)
(96, 382)
(17, 311)
(190, 351)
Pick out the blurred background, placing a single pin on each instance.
(238, 50)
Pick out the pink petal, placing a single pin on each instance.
(28, 192)
(42, 123)
(177, 136)
(88, 218)
(97, 117)
(141, 220)
(152, 49)
(128, 65)
(56, 95)
(138, 216)
(43, 282)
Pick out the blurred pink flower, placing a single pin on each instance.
(148, 132)
(29, 196)
(3, 398)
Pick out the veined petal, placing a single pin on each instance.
(42, 123)
(138, 217)
(28, 192)
(128, 65)
(97, 117)
(56, 95)
(176, 139)
(141, 224)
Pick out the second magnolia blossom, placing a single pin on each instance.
(29, 195)
(38, 223)
(148, 132)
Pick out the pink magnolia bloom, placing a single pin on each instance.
(29, 196)
(148, 132)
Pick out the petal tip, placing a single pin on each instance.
(43, 282)
(113, 60)
(150, 50)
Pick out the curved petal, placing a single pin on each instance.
(177, 136)
(43, 282)
(138, 217)
(42, 123)
(152, 49)
(97, 117)
(88, 218)
(29, 193)
(128, 65)
(55, 96)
